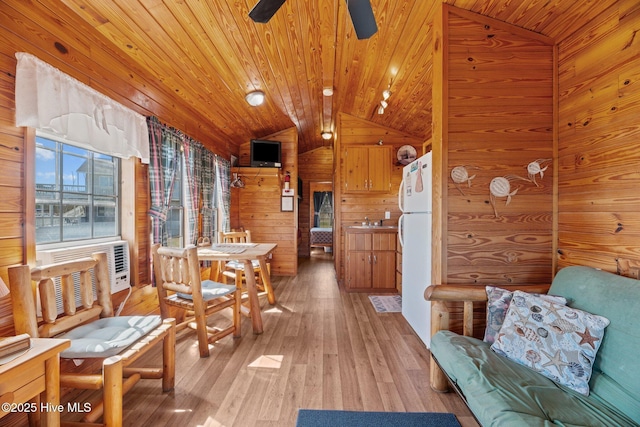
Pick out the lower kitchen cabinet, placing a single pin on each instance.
(370, 259)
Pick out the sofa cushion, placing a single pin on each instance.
(108, 336)
(616, 377)
(558, 341)
(498, 301)
(500, 392)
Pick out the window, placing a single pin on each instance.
(77, 194)
(175, 215)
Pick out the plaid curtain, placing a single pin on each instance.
(208, 191)
(192, 155)
(164, 152)
(223, 178)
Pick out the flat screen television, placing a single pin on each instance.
(265, 154)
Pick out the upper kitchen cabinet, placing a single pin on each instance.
(367, 169)
(367, 175)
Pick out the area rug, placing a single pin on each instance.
(387, 304)
(322, 418)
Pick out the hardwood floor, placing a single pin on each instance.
(321, 348)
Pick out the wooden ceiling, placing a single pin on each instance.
(210, 54)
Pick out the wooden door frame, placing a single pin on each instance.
(320, 186)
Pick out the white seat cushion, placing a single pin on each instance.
(239, 265)
(211, 290)
(107, 337)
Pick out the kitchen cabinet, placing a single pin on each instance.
(370, 259)
(367, 169)
(398, 265)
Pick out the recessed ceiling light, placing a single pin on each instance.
(327, 91)
(255, 98)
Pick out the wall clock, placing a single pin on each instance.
(406, 154)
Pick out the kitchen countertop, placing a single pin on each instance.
(370, 228)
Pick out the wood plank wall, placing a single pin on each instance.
(315, 166)
(141, 252)
(598, 155)
(500, 119)
(35, 28)
(351, 209)
(12, 209)
(258, 206)
(494, 116)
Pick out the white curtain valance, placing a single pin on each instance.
(50, 100)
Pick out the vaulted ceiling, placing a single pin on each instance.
(209, 54)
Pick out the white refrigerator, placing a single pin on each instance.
(414, 229)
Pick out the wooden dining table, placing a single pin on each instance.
(245, 252)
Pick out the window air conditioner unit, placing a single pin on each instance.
(117, 260)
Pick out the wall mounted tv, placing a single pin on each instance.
(265, 154)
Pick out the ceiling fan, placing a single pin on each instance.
(364, 23)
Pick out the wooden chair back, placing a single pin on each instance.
(42, 279)
(27, 284)
(235, 270)
(234, 236)
(177, 271)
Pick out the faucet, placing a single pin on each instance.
(366, 219)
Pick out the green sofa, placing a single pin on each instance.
(501, 392)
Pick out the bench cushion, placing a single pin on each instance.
(108, 336)
(501, 392)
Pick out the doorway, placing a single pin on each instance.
(321, 219)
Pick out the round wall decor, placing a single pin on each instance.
(406, 154)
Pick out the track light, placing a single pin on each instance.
(386, 94)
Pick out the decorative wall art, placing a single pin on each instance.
(406, 154)
(500, 186)
(460, 175)
(286, 204)
(537, 167)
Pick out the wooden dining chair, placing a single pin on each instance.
(179, 285)
(98, 339)
(234, 269)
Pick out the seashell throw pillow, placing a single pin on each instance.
(555, 340)
(498, 301)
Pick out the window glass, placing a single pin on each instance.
(175, 217)
(76, 193)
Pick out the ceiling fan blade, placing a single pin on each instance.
(264, 10)
(362, 17)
